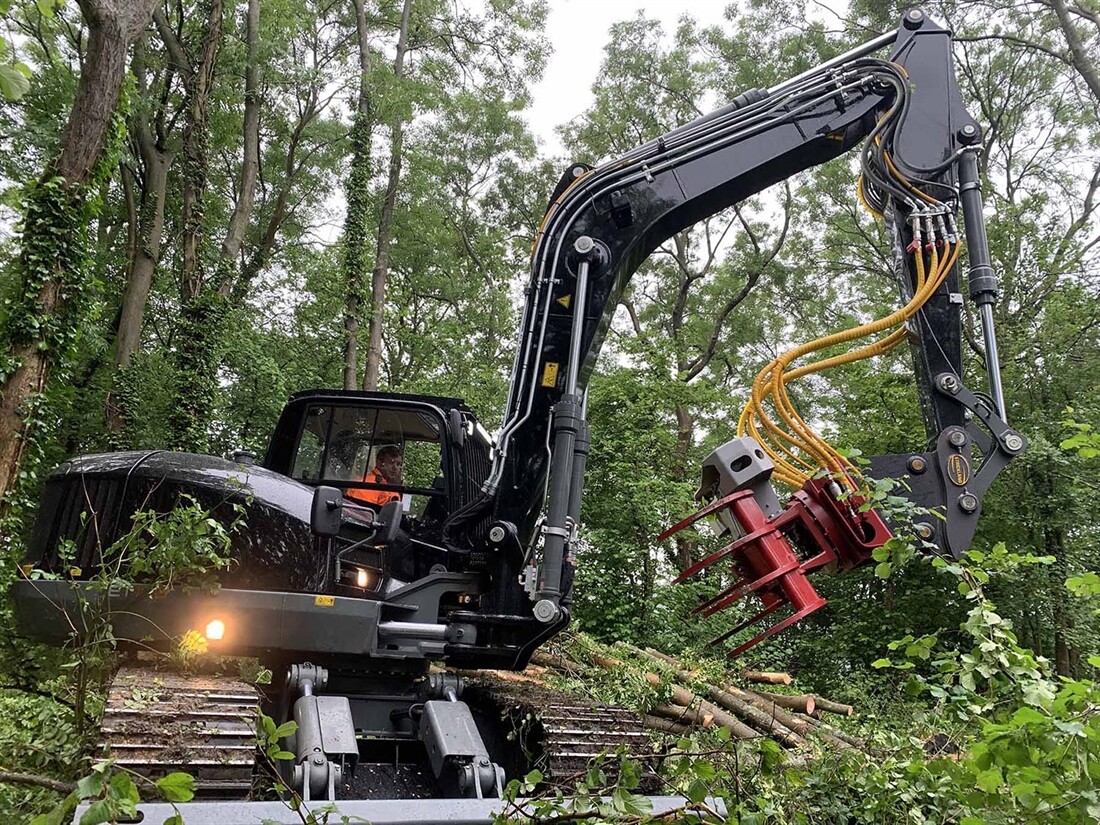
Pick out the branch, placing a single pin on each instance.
(171, 42)
(39, 781)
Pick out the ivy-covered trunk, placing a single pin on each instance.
(357, 193)
(40, 320)
(200, 315)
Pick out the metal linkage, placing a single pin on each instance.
(455, 748)
(324, 743)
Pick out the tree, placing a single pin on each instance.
(40, 318)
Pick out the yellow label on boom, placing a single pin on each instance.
(550, 374)
(324, 601)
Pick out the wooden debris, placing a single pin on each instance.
(834, 707)
(693, 703)
(804, 703)
(765, 677)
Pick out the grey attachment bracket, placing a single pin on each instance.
(739, 464)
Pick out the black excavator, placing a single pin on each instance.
(470, 559)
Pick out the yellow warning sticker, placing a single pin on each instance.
(324, 601)
(26, 569)
(550, 374)
(564, 300)
(75, 572)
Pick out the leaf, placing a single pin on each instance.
(90, 786)
(174, 819)
(881, 663)
(284, 730)
(59, 815)
(990, 780)
(13, 82)
(883, 570)
(177, 787)
(1028, 716)
(98, 812)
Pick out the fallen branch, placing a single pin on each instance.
(39, 781)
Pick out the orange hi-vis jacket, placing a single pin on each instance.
(376, 497)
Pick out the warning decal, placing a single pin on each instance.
(550, 374)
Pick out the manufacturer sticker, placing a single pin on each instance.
(550, 374)
(324, 601)
(958, 470)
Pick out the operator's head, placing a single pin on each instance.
(389, 462)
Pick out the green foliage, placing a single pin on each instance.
(182, 549)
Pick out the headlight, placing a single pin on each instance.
(215, 630)
(362, 578)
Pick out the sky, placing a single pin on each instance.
(578, 31)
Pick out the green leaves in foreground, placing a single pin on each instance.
(111, 795)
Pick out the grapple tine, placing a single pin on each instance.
(775, 628)
(710, 509)
(732, 594)
(763, 614)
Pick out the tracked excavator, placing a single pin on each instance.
(472, 562)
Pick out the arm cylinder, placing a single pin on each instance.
(981, 278)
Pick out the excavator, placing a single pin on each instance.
(470, 561)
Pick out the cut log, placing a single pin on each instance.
(834, 707)
(828, 735)
(684, 715)
(736, 727)
(829, 731)
(664, 657)
(555, 661)
(803, 704)
(682, 696)
(663, 725)
(784, 717)
(765, 677)
(757, 717)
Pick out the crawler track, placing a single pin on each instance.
(562, 733)
(156, 722)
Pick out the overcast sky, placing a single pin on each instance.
(578, 31)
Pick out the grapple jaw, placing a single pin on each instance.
(773, 550)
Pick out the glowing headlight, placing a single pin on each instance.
(362, 578)
(215, 630)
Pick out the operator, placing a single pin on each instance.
(387, 470)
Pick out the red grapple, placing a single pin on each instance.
(775, 557)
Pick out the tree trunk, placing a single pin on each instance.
(53, 280)
(200, 313)
(685, 434)
(356, 192)
(385, 223)
(250, 160)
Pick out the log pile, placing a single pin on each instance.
(747, 712)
